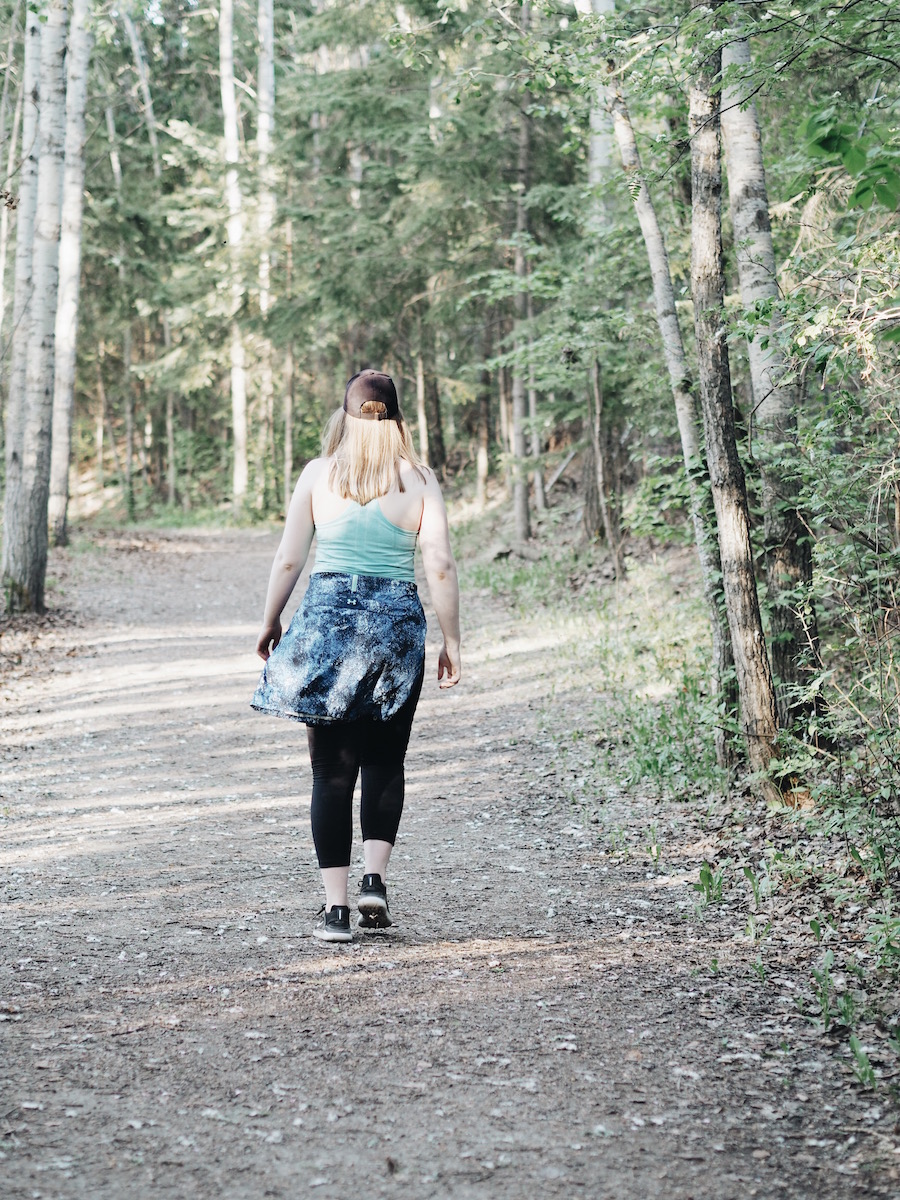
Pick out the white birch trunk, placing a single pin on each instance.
(126, 473)
(520, 479)
(4, 216)
(421, 413)
(686, 414)
(10, 162)
(757, 698)
(25, 547)
(22, 284)
(265, 219)
(775, 402)
(77, 59)
(235, 231)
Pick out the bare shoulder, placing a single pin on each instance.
(416, 480)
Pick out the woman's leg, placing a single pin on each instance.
(334, 755)
(382, 754)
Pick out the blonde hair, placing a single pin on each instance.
(366, 456)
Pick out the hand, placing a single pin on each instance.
(268, 640)
(448, 666)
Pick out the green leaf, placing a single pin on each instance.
(854, 159)
(886, 195)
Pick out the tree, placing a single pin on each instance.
(757, 698)
(776, 394)
(519, 411)
(77, 59)
(25, 537)
(14, 544)
(235, 229)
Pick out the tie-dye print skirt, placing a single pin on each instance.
(355, 648)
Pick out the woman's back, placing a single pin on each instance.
(403, 509)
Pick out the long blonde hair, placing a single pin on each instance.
(366, 456)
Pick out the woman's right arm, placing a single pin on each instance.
(290, 558)
(443, 584)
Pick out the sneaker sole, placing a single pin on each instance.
(373, 913)
(333, 935)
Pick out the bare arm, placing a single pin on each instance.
(440, 571)
(290, 558)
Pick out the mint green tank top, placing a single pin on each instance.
(362, 541)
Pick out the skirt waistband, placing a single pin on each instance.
(364, 586)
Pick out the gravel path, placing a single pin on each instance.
(543, 1019)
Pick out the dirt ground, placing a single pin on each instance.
(544, 1018)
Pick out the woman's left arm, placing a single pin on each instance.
(290, 558)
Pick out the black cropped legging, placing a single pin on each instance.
(338, 754)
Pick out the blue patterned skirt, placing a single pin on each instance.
(355, 648)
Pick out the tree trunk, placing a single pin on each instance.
(537, 478)
(4, 206)
(754, 678)
(482, 454)
(150, 122)
(235, 230)
(26, 560)
(421, 411)
(520, 478)
(265, 219)
(688, 418)
(23, 311)
(607, 498)
(435, 422)
(775, 402)
(77, 58)
(100, 423)
(288, 380)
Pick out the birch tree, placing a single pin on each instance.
(776, 397)
(757, 699)
(115, 163)
(687, 415)
(77, 59)
(25, 536)
(265, 125)
(14, 496)
(519, 412)
(599, 168)
(6, 195)
(235, 232)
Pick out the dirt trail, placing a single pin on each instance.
(540, 1021)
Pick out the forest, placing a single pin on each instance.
(635, 262)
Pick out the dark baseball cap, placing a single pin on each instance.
(371, 395)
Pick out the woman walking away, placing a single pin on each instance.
(351, 663)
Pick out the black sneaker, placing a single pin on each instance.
(373, 904)
(334, 925)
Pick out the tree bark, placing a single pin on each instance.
(537, 478)
(77, 59)
(520, 478)
(607, 500)
(754, 679)
(26, 561)
(435, 422)
(482, 453)
(688, 419)
(235, 230)
(776, 400)
(23, 312)
(7, 187)
(288, 380)
(421, 411)
(265, 219)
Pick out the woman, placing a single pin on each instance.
(351, 663)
